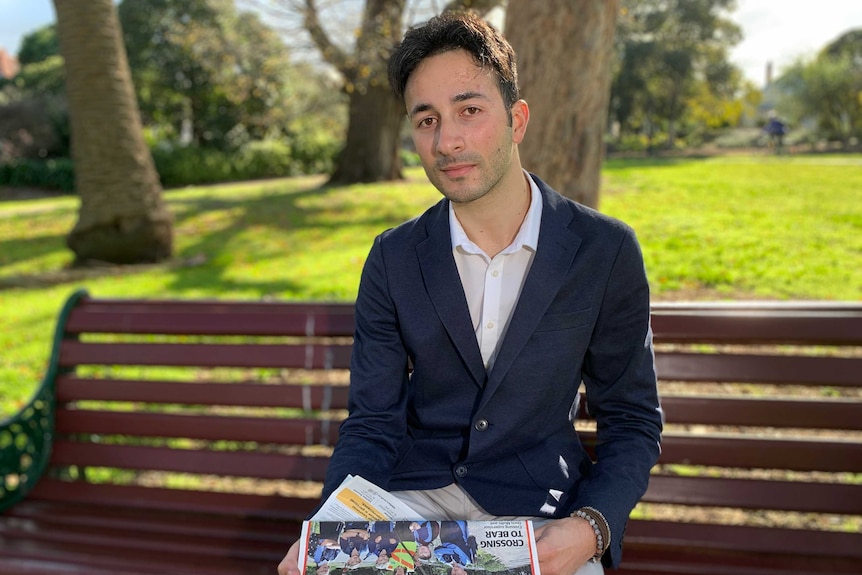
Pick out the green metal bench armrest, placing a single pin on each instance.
(26, 438)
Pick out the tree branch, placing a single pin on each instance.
(330, 52)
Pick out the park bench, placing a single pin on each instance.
(191, 437)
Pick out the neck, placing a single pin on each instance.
(493, 222)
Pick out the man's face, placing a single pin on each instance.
(460, 125)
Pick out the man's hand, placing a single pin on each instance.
(564, 545)
(288, 565)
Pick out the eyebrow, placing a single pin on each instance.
(462, 97)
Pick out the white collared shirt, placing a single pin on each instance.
(493, 285)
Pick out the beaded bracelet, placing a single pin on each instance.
(600, 527)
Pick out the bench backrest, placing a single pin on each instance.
(178, 403)
(763, 406)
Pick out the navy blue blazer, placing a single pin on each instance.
(506, 435)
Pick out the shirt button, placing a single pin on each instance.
(481, 425)
(495, 273)
(461, 470)
(490, 325)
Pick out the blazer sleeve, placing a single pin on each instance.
(369, 439)
(621, 389)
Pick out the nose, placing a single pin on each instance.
(450, 140)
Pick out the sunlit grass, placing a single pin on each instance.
(767, 227)
(755, 227)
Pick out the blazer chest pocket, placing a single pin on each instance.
(570, 320)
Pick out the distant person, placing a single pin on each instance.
(775, 129)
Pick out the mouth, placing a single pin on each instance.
(457, 170)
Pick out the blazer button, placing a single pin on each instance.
(481, 425)
(461, 471)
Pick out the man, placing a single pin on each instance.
(503, 298)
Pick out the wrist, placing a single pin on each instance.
(600, 528)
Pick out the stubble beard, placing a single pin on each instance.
(488, 176)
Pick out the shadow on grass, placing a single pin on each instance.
(203, 260)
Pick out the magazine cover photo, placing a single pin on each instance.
(418, 547)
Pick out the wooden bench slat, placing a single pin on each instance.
(744, 539)
(58, 554)
(276, 507)
(199, 426)
(745, 452)
(206, 355)
(239, 464)
(213, 318)
(74, 516)
(756, 494)
(763, 326)
(140, 537)
(767, 453)
(242, 394)
(805, 413)
(743, 368)
(663, 560)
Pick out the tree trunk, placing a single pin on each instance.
(122, 218)
(565, 51)
(370, 152)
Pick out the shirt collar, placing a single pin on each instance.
(528, 234)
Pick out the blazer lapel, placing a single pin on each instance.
(556, 251)
(443, 285)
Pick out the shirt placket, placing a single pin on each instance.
(491, 308)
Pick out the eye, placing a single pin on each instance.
(426, 122)
(471, 111)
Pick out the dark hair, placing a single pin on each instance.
(454, 31)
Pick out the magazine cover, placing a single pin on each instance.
(362, 529)
(418, 547)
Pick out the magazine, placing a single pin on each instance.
(363, 530)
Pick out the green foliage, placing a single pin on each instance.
(39, 45)
(671, 56)
(202, 65)
(409, 159)
(827, 90)
(54, 174)
(188, 165)
(42, 78)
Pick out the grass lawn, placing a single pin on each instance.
(729, 227)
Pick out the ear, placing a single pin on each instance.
(520, 119)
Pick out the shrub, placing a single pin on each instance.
(270, 159)
(409, 158)
(55, 174)
(188, 165)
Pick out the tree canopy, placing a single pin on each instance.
(827, 89)
(668, 52)
(211, 74)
